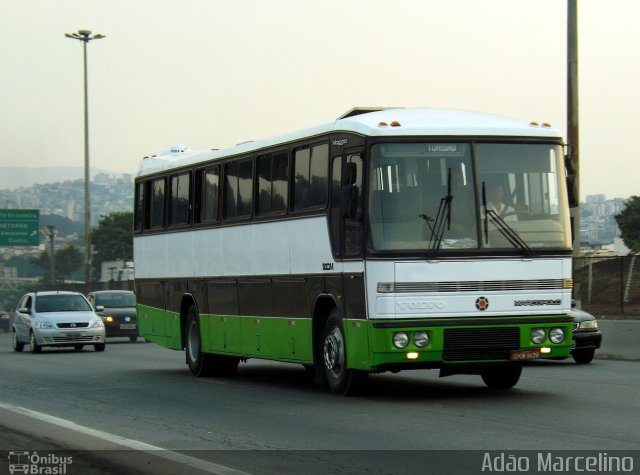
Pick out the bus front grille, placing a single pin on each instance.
(473, 344)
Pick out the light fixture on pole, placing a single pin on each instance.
(85, 36)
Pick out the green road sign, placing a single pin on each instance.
(19, 227)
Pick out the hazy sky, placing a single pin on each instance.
(212, 73)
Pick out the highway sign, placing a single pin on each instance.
(19, 227)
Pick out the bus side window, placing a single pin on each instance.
(139, 207)
(157, 204)
(311, 175)
(210, 194)
(179, 201)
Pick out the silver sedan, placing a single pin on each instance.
(56, 318)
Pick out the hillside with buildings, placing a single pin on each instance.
(66, 198)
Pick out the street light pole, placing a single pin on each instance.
(573, 116)
(85, 36)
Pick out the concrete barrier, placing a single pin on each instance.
(620, 339)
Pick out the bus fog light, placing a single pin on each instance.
(421, 339)
(556, 335)
(400, 340)
(538, 335)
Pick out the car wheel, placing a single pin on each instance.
(17, 345)
(35, 348)
(78, 347)
(341, 379)
(583, 356)
(133, 339)
(501, 377)
(99, 346)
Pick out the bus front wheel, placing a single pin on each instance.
(341, 379)
(501, 377)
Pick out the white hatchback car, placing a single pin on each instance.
(56, 318)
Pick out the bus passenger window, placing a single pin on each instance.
(238, 188)
(157, 204)
(139, 207)
(311, 170)
(179, 201)
(272, 175)
(211, 184)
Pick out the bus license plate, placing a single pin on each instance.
(128, 326)
(524, 355)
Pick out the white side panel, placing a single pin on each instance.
(299, 246)
(206, 250)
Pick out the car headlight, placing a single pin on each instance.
(97, 323)
(556, 335)
(400, 340)
(538, 335)
(43, 325)
(421, 339)
(588, 325)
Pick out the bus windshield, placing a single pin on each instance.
(425, 197)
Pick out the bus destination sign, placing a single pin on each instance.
(19, 227)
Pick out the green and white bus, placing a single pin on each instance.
(388, 240)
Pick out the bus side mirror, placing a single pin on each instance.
(574, 199)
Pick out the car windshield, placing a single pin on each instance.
(61, 303)
(116, 300)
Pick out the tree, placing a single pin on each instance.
(112, 239)
(629, 223)
(67, 261)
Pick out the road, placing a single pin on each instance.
(271, 419)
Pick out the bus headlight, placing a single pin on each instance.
(556, 335)
(421, 339)
(400, 340)
(538, 335)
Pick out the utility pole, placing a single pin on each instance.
(51, 234)
(573, 129)
(85, 37)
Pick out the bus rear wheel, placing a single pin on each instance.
(205, 364)
(341, 379)
(501, 377)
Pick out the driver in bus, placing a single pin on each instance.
(497, 204)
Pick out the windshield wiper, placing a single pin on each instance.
(443, 218)
(490, 216)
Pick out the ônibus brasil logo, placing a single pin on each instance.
(482, 303)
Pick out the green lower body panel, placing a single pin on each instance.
(369, 344)
(284, 339)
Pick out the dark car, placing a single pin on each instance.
(586, 336)
(5, 321)
(117, 308)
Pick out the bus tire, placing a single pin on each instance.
(501, 377)
(197, 361)
(205, 364)
(342, 380)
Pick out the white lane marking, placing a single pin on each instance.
(192, 462)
